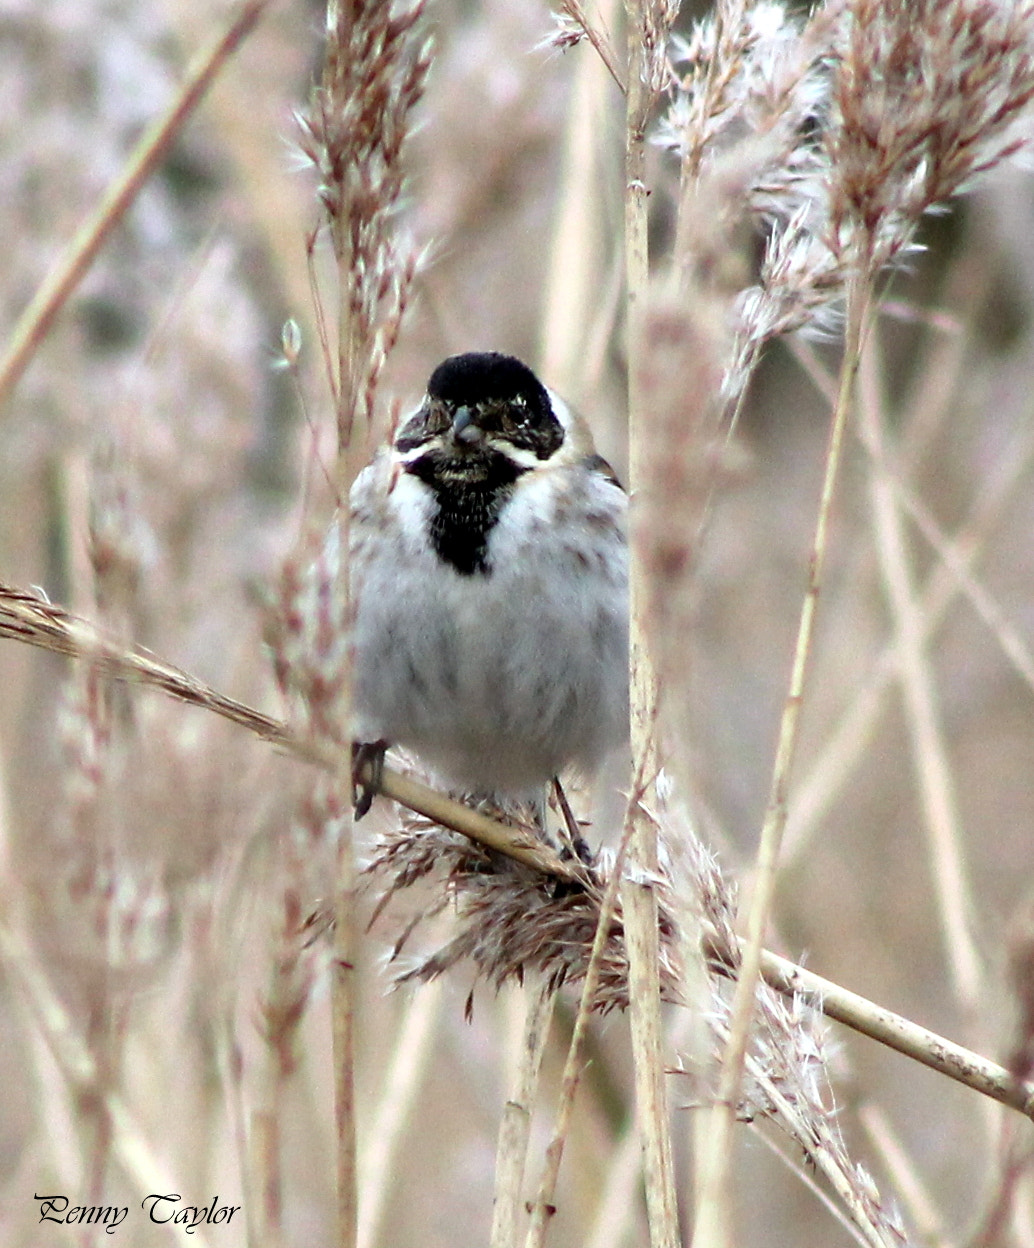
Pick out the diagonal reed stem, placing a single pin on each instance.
(28, 618)
(712, 1229)
(939, 801)
(35, 322)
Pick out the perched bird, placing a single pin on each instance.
(490, 566)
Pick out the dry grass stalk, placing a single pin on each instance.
(844, 748)
(382, 1144)
(515, 1123)
(544, 1206)
(712, 1224)
(115, 906)
(940, 802)
(786, 1062)
(736, 82)
(30, 618)
(731, 41)
(374, 74)
(78, 1066)
(648, 28)
(27, 618)
(375, 67)
(282, 1007)
(573, 24)
(884, 157)
(495, 900)
(153, 147)
(919, 1043)
(680, 368)
(576, 326)
(800, 276)
(915, 1199)
(953, 558)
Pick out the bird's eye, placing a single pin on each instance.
(516, 414)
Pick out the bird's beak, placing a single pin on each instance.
(463, 428)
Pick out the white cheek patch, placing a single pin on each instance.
(416, 452)
(520, 456)
(561, 411)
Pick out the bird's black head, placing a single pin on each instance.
(495, 398)
(481, 377)
(485, 422)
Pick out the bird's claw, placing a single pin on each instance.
(367, 770)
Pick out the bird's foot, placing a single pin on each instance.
(367, 770)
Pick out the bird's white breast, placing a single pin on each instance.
(498, 680)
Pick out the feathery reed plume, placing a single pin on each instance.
(859, 121)
(924, 97)
(747, 211)
(680, 366)
(127, 1139)
(25, 617)
(751, 89)
(293, 968)
(512, 921)
(788, 1060)
(889, 109)
(572, 24)
(307, 631)
(354, 133)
